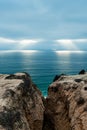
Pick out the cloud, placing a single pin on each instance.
(6, 40)
(71, 44)
(21, 41)
(17, 44)
(42, 44)
(27, 42)
(39, 6)
(48, 19)
(71, 41)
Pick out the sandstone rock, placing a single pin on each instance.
(21, 106)
(66, 104)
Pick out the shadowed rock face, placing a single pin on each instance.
(57, 77)
(21, 106)
(66, 104)
(82, 72)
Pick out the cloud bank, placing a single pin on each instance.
(72, 44)
(47, 19)
(14, 44)
(42, 44)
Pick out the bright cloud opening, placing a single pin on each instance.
(27, 42)
(71, 44)
(18, 44)
(68, 44)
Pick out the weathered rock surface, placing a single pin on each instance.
(21, 106)
(66, 104)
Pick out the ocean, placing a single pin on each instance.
(43, 65)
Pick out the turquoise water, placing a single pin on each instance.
(42, 65)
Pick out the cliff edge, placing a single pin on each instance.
(22, 106)
(66, 104)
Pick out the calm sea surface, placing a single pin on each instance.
(42, 65)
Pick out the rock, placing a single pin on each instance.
(82, 72)
(66, 104)
(57, 77)
(21, 106)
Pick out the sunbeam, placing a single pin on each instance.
(25, 43)
(68, 44)
(18, 44)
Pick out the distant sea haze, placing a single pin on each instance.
(43, 65)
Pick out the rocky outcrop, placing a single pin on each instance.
(21, 106)
(57, 77)
(66, 104)
(82, 72)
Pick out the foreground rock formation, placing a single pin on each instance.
(66, 104)
(22, 106)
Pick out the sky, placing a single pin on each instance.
(43, 24)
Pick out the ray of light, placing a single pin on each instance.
(68, 44)
(24, 43)
(18, 44)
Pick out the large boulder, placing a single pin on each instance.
(66, 104)
(21, 106)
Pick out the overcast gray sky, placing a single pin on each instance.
(43, 24)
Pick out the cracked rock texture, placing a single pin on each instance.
(21, 106)
(66, 104)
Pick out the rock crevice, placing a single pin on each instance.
(22, 106)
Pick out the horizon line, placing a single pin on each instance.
(55, 50)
